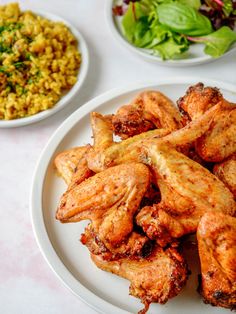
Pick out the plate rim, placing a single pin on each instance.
(155, 59)
(81, 76)
(35, 202)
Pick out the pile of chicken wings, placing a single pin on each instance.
(172, 174)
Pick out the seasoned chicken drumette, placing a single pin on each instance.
(219, 142)
(155, 278)
(188, 191)
(109, 199)
(217, 251)
(149, 110)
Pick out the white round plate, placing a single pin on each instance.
(194, 56)
(60, 244)
(82, 46)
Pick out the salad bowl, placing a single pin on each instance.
(195, 55)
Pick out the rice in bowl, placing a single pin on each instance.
(39, 62)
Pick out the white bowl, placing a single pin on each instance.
(82, 46)
(194, 56)
(59, 243)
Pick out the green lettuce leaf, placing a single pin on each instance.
(192, 3)
(184, 19)
(170, 48)
(138, 26)
(217, 43)
(142, 35)
(130, 20)
(228, 7)
(160, 34)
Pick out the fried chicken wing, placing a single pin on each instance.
(129, 150)
(188, 190)
(149, 110)
(219, 142)
(102, 130)
(198, 99)
(109, 199)
(72, 165)
(136, 245)
(226, 172)
(123, 152)
(192, 131)
(217, 251)
(155, 278)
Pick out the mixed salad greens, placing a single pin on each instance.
(169, 27)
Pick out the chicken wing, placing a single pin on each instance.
(149, 110)
(136, 245)
(122, 152)
(129, 150)
(72, 165)
(102, 130)
(188, 190)
(155, 278)
(198, 99)
(226, 172)
(219, 142)
(217, 251)
(109, 199)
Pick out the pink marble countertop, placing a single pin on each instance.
(27, 285)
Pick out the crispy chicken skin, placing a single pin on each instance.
(217, 251)
(109, 199)
(149, 110)
(71, 164)
(219, 142)
(198, 99)
(135, 245)
(192, 131)
(188, 190)
(226, 172)
(129, 150)
(123, 152)
(155, 278)
(102, 130)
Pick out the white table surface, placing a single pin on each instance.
(27, 285)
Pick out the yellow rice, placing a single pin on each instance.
(39, 61)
